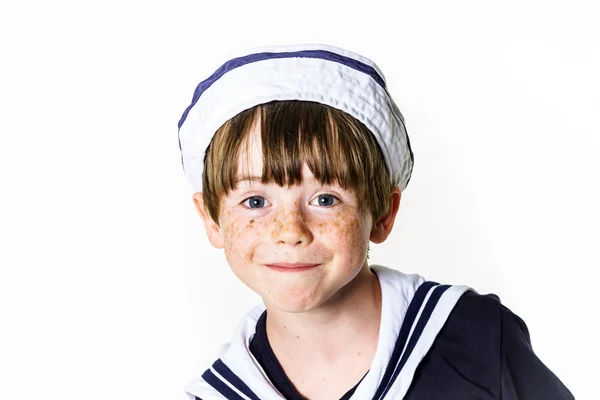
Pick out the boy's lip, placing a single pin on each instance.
(290, 267)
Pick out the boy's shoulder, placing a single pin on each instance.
(485, 349)
(478, 309)
(484, 314)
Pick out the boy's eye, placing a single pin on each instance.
(326, 200)
(255, 202)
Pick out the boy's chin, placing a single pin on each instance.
(291, 308)
(294, 304)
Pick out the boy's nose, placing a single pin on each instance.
(290, 228)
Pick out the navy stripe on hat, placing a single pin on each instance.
(251, 58)
(414, 338)
(220, 386)
(411, 314)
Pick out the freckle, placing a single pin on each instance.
(359, 353)
(251, 221)
(284, 327)
(324, 379)
(297, 337)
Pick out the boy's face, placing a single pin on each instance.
(268, 232)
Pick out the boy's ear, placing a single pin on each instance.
(382, 228)
(213, 231)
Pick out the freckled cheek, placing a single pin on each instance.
(330, 227)
(351, 236)
(240, 240)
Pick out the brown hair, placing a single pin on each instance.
(336, 147)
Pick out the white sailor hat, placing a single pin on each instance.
(319, 73)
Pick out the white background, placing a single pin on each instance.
(108, 286)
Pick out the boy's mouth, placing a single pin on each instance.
(291, 267)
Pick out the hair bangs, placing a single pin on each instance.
(337, 148)
(305, 133)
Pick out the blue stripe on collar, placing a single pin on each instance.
(220, 386)
(230, 376)
(251, 58)
(414, 338)
(411, 314)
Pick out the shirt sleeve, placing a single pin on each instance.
(523, 375)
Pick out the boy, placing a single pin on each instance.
(298, 156)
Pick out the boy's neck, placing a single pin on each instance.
(325, 336)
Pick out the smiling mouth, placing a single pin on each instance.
(291, 267)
